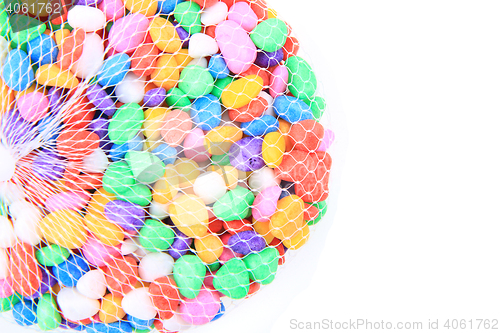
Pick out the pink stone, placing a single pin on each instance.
(6, 289)
(266, 203)
(113, 9)
(279, 81)
(194, 146)
(202, 309)
(327, 141)
(128, 32)
(67, 200)
(242, 14)
(33, 106)
(97, 253)
(236, 46)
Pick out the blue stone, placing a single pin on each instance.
(17, 72)
(24, 313)
(260, 126)
(42, 50)
(291, 109)
(206, 112)
(113, 70)
(69, 272)
(217, 67)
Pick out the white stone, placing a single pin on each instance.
(8, 165)
(96, 162)
(7, 234)
(141, 252)
(10, 192)
(202, 62)
(138, 304)
(92, 284)
(128, 246)
(155, 265)
(215, 14)
(131, 89)
(158, 210)
(74, 306)
(4, 264)
(210, 187)
(26, 219)
(4, 50)
(91, 59)
(270, 100)
(86, 17)
(202, 45)
(175, 324)
(262, 178)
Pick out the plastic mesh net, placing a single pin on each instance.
(158, 158)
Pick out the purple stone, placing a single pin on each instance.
(246, 154)
(48, 165)
(245, 242)
(48, 281)
(126, 214)
(54, 96)
(269, 59)
(91, 3)
(16, 129)
(180, 246)
(101, 100)
(100, 127)
(183, 35)
(69, 325)
(155, 97)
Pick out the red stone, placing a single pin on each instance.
(121, 275)
(25, 272)
(306, 135)
(165, 296)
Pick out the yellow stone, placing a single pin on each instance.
(208, 248)
(273, 149)
(263, 229)
(219, 139)
(52, 75)
(182, 57)
(242, 91)
(7, 97)
(190, 215)
(144, 7)
(271, 13)
(229, 173)
(298, 239)
(99, 199)
(64, 227)
(165, 189)
(108, 232)
(289, 217)
(166, 73)
(111, 309)
(284, 127)
(164, 35)
(60, 35)
(153, 121)
(187, 171)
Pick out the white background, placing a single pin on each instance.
(415, 235)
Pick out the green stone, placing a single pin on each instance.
(262, 266)
(68, 27)
(155, 236)
(108, 26)
(232, 279)
(7, 303)
(177, 99)
(221, 159)
(188, 14)
(196, 81)
(220, 84)
(139, 194)
(301, 78)
(270, 35)
(234, 205)
(189, 273)
(143, 331)
(146, 167)
(52, 255)
(117, 178)
(317, 105)
(4, 24)
(47, 313)
(25, 28)
(125, 123)
(322, 206)
(213, 266)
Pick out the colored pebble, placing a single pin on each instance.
(128, 32)
(24, 313)
(138, 304)
(291, 109)
(70, 271)
(176, 126)
(189, 214)
(155, 265)
(92, 284)
(25, 272)
(273, 149)
(188, 14)
(113, 70)
(246, 242)
(165, 296)
(125, 123)
(202, 309)
(235, 204)
(246, 154)
(306, 135)
(236, 46)
(242, 91)
(17, 72)
(260, 126)
(195, 81)
(270, 35)
(121, 275)
(127, 215)
(302, 80)
(262, 266)
(146, 167)
(155, 236)
(206, 112)
(189, 272)
(47, 313)
(64, 227)
(68, 297)
(51, 255)
(233, 279)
